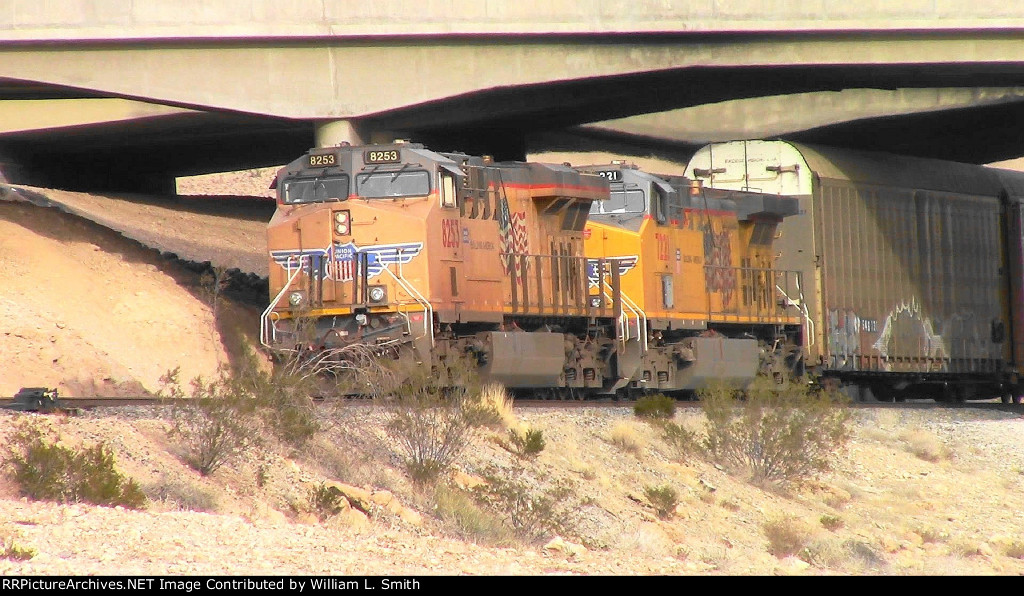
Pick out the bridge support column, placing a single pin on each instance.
(336, 132)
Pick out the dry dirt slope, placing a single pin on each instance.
(916, 493)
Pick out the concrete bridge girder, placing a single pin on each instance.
(327, 79)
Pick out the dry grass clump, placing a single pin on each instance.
(846, 555)
(625, 436)
(1012, 548)
(925, 445)
(181, 496)
(787, 535)
(462, 516)
(491, 406)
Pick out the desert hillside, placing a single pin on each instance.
(94, 312)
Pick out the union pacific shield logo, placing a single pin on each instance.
(339, 261)
(624, 264)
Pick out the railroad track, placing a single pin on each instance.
(71, 404)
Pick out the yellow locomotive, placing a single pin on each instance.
(534, 270)
(697, 279)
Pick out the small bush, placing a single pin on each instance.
(325, 502)
(526, 442)
(684, 442)
(215, 424)
(831, 522)
(786, 535)
(429, 423)
(663, 498)
(530, 515)
(658, 406)
(45, 470)
(13, 551)
(776, 433)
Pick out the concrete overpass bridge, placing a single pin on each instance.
(115, 94)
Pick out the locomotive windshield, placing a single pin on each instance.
(631, 200)
(316, 190)
(379, 185)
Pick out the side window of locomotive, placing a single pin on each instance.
(629, 200)
(659, 209)
(387, 185)
(447, 189)
(316, 190)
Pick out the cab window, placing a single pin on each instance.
(316, 190)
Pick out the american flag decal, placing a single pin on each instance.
(513, 236)
(339, 261)
(624, 264)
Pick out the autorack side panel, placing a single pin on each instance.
(903, 257)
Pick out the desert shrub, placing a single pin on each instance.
(459, 512)
(429, 423)
(325, 502)
(831, 522)
(526, 442)
(930, 534)
(787, 535)
(531, 514)
(684, 442)
(663, 498)
(777, 433)
(45, 470)
(12, 551)
(215, 424)
(658, 406)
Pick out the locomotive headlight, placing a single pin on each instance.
(378, 294)
(595, 302)
(342, 222)
(295, 298)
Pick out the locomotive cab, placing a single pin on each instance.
(396, 250)
(698, 277)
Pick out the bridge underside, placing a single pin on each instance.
(142, 145)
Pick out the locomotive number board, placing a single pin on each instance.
(611, 175)
(388, 156)
(323, 159)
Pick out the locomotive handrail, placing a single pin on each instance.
(264, 318)
(428, 310)
(801, 307)
(641, 316)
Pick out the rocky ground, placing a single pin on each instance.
(94, 313)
